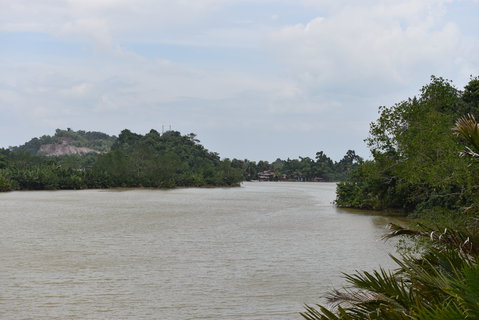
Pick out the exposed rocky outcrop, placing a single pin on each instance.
(63, 149)
(68, 142)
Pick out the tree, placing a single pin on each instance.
(471, 97)
(415, 168)
(347, 164)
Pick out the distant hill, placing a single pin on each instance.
(132, 160)
(68, 142)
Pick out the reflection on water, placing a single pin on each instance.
(256, 252)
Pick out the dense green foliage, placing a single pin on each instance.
(88, 139)
(322, 168)
(415, 166)
(152, 160)
(166, 160)
(26, 171)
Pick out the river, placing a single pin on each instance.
(257, 252)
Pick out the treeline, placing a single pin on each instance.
(152, 160)
(322, 168)
(416, 165)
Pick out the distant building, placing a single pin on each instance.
(266, 175)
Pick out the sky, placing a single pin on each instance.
(255, 80)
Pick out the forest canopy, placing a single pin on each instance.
(132, 160)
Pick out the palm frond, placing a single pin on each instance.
(348, 296)
(322, 314)
(395, 230)
(385, 287)
(444, 311)
(468, 128)
(465, 286)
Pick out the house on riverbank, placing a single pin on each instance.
(266, 175)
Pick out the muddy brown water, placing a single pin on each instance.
(257, 252)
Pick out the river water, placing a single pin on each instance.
(257, 252)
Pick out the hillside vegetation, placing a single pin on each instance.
(133, 160)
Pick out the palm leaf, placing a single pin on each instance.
(468, 128)
(465, 286)
(445, 311)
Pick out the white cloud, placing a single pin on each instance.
(77, 90)
(122, 84)
(385, 45)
